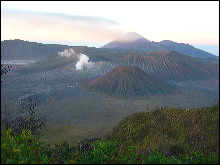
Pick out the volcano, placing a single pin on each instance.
(170, 65)
(128, 81)
(134, 41)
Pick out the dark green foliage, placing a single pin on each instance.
(19, 149)
(141, 138)
(175, 130)
(26, 148)
(176, 149)
(100, 153)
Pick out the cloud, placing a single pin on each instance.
(54, 26)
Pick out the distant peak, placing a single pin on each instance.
(167, 41)
(130, 36)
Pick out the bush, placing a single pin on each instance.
(25, 148)
(19, 149)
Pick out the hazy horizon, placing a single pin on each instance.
(98, 23)
(213, 49)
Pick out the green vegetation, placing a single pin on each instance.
(187, 136)
(27, 149)
(170, 129)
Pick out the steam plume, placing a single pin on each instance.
(67, 53)
(84, 62)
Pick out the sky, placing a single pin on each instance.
(96, 23)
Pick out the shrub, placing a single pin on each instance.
(19, 149)
(25, 148)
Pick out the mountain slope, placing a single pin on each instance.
(142, 44)
(185, 49)
(25, 50)
(170, 65)
(169, 128)
(133, 41)
(128, 81)
(61, 59)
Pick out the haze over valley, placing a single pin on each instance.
(104, 82)
(85, 91)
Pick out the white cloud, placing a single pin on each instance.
(181, 21)
(51, 26)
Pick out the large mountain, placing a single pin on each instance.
(170, 65)
(25, 50)
(134, 41)
(128, 81)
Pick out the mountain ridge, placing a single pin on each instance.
(170, 65)
(164, 45)
(25, 50)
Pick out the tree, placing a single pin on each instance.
(27, 119)
(4, 70)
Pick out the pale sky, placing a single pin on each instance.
(95, 23)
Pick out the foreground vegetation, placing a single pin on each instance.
(27, 149)
(165, 136)
(169, 129)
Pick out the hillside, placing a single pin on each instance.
(61, 59)
(185, 49)
(24, 50)
(158, 137)
(128, 81)
(140, 43)
(170, 129)
(170, 65)
(164, 65)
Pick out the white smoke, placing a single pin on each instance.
(67, 53)
(84, 62)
